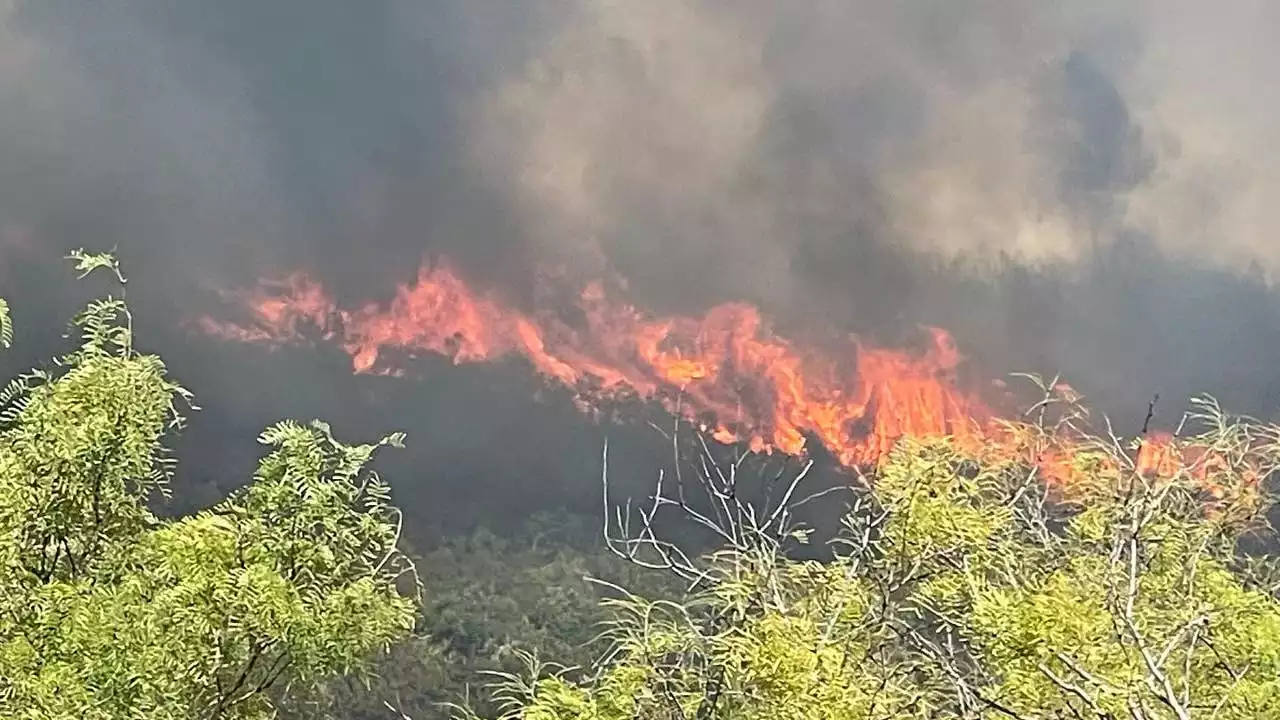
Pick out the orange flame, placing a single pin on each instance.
(728, 364)
(760, 388)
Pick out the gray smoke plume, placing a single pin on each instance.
(683, 131)
(662, 134)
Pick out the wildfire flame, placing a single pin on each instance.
(728, 364)
(760, 388)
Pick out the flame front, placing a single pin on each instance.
(728, 365)
(727, 370)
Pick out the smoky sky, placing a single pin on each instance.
(1084, 186)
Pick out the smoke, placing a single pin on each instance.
(113, 135)
(665, 139)
(722, 143)
(1203, 88)
(1080, 186)
(864, 163)
(707, 130)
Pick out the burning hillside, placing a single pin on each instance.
(727, 370)
(728, 365)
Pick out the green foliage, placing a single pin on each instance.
(971, 585)
(6, 325)
(107, 611)
(87, 262)
(492, 601)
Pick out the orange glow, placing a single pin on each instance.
(761, 389)
(728, 364)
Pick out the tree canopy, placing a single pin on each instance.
(109, 611)
(965, 583)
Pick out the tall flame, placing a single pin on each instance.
(759, 387)
(727, 367)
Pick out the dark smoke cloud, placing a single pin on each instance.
(748, 139)
(660, 136)
(1079, 186)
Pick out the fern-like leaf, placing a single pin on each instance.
(6, 325)
(87, 262)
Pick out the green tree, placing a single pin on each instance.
(965, 584)
(108, 611)
(492, 597)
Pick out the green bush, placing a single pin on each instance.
(108, 611)
(967, 584)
